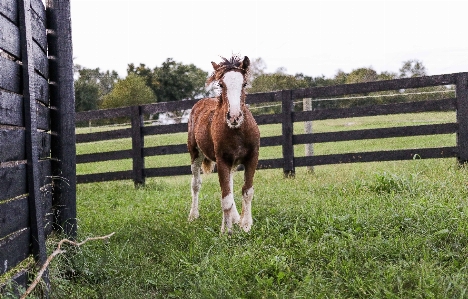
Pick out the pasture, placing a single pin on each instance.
(364, 230)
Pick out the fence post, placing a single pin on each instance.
(309, 147)
(137, 147)
(36, 214)
(287, 106)
(62, 98)
(462, 117)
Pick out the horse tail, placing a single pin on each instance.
(207, 166)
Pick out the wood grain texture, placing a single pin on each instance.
(462, 117)
(9, 8)
(105, 156)
(374, 110)
(39, 31)
(288, 132)
(164, 129)
(106, 176)
(165, 150)
(12, 145)
(43, 117)
(9, 36)
(62, 97)
(109, 135)
(137, 146)
(39, 8)
(30, 123)
(14, 216)
(167, 171)
(41, 65)
(408, 154)
(99, 114)
(10, 75)
(14, 181)
(376, 133)
(11, 109)
(40, 88)
(14, 249)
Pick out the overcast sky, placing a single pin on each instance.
(309, 37)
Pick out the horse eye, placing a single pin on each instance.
(244, 85)
(220, 85)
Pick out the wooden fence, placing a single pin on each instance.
(37, 130)
(288, 162)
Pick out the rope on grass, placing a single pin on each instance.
(54, 254)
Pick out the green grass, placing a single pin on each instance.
(380, 230)
(370, 230)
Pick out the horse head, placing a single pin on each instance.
(231, 75)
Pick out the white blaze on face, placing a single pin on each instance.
(233, 82)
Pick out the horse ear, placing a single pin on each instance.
(215, 66)
(245, 63)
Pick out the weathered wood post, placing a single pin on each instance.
(462, 117)
(62, 99)
(309, 147)
(36, 212)
(287, 106)
(137, 147)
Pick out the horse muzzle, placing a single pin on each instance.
(234, 121)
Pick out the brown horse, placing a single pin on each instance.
(222, 130)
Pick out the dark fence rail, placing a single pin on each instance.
(30, 201)
(287, 118)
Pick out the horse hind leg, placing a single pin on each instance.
(195, 185)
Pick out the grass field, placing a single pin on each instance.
(374, 230)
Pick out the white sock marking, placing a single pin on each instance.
(195, 187)
(246, 217)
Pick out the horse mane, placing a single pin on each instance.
(226, 65)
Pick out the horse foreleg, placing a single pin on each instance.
(196, 185)
(230, 214)
(247, 195)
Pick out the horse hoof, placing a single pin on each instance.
(192, 216)
(246, 228)
(245, 225)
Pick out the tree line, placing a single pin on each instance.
(172, 81)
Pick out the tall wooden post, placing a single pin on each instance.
(62, 99)
(309, 147)
(462, 117)
(36, 213)
(287, 128)
(137, 147)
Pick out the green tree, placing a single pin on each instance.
(315, 81)
(129, 92)
(173, 81)
(257, 67)
(412, 68)
(276, 81)
(91, 85)
(86, 95)
(143, 72)
(387, 76)
(361, 75)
